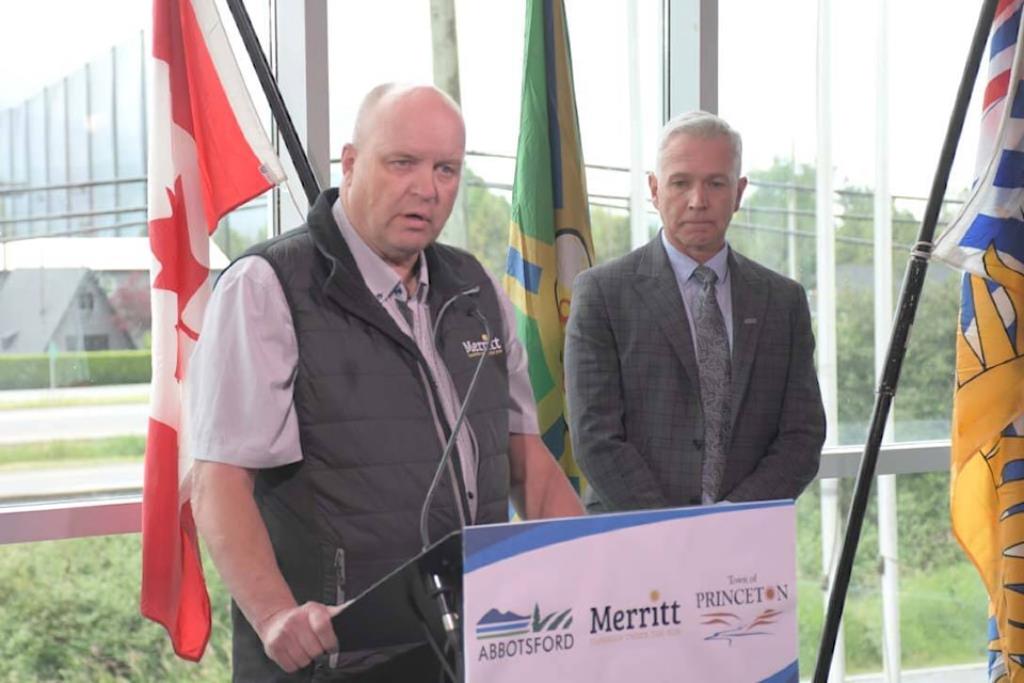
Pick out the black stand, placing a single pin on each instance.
(418, 603)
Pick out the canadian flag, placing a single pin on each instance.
(208, 154)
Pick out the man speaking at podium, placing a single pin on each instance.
(690, 368)
(333, 365)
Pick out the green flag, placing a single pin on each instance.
(549, 238)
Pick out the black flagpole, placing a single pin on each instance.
(913, 281)
(284, 121)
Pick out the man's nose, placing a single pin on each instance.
(424, 183)
(698, 198)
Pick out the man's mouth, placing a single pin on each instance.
(417, 219)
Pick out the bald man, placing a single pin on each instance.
(333, 364)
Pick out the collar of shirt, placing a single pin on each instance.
(683, 266)
(382, 281)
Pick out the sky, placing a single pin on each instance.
(766, 88)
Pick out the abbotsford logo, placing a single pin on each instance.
(514, 635)
(476, 348)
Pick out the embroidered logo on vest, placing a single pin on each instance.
(476, 348)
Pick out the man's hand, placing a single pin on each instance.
(295, 636)
(539, 488)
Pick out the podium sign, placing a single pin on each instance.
(696, 594)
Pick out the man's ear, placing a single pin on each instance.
(740, 186)
(348, 161)
(652, 182)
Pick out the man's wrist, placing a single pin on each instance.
(268, 613)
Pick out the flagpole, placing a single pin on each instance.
(910, 294)
(277, 106)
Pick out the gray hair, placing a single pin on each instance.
(700, 124)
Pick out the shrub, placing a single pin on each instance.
(80, 368)
(71, 613)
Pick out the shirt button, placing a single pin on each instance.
(470, 495)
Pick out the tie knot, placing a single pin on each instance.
(705, 275)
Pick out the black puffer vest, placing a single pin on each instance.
(348, 513)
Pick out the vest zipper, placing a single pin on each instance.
(339, 592)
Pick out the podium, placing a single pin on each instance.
(703, 593)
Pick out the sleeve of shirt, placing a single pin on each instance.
(522, 414)
(239, 408)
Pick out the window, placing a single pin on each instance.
(96, 342)
(898, 127)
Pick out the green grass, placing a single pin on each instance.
(63, 453)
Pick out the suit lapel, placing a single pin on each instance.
(749, 303)
(659, 291)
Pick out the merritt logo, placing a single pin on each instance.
(518, 635)
(475, 349)
(609, 619)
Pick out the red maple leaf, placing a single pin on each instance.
(180, 272)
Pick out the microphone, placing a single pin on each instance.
(460, 418)
(435, 585)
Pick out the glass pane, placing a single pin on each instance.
(777, 225)
(19, 166)
(75, 310)
(58, 166)
(130, 108)
(37, 155)
(938, 585)
(942, 601)
(101, 137)
(490, 76)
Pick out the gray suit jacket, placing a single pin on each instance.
(634, 394)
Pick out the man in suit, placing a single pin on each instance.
(690, 368)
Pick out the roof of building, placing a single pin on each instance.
(32, 304)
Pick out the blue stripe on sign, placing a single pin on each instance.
(1006, 35)
(1006, 234)
(1013, 471)
(485, 545)
(528, 274)
(790, 674)
(1010, 172)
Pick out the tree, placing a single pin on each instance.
(131, 305)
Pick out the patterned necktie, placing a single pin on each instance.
(714, 367)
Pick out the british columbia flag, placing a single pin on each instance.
(986, 241)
